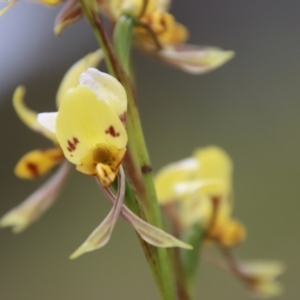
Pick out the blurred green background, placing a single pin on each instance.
(250, 107)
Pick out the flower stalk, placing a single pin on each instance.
(185, 263)
(137, 163)
(190, 259)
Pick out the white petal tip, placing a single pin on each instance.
(48, 120)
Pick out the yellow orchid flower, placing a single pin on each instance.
(198, 190)
(209, 168)
(154, 15)
(161, 36)
(88, 125)
(202, 188)
(38, 162)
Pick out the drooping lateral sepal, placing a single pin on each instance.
(148, 232)
(101, 235)
(31, 209)
(152, 234)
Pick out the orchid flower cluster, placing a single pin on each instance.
(97, 128)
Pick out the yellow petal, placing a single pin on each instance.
(38, 162)
(209, 171)
(83, 122)
(28, 116)
(171, 175)
(107, 88)
(196, 210)
(71, 78)
(214, 164)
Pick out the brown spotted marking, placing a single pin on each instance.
(111, 130)
(72, 144)
(33, 169)
(123, 118)
(146, 169)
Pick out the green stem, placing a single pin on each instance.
(185, 263)
(179, 274)
(191, 258)
(122, 40)
(88, 13)
(137, 162)
(145, 191)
